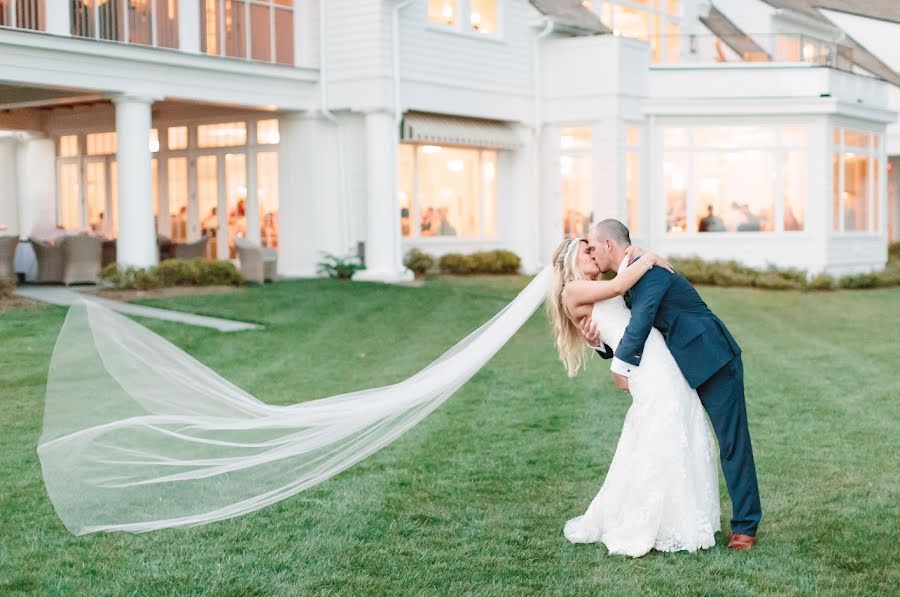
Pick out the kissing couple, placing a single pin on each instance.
(676, 359)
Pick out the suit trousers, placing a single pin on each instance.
(722, 396)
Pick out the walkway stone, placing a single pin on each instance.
(60, 295)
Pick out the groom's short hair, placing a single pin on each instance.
(613, 230)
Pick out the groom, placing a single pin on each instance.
(706, 353)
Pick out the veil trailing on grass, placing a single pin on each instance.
(138, 435)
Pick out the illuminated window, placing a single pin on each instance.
(483, 16)
(267, 132)
(178, 137)
(856, 181)
(724, 179)
(478, 16)
(442, 12)
(657, 22)
(253, 29)
(68, 146)
(101, 143)
(228, 134)
(154, 140)
(447, 191)
(267, 195)
(145, 22)
(575, 176)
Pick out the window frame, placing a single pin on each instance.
(463, 24)
(876, 179)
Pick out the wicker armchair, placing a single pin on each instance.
(82, 255)
(7, 257)
(49, 262)
(258, 264)
(194, 250)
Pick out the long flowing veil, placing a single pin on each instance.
(139, 436)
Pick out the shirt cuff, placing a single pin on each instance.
(621, 367)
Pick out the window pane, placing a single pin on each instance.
(267, 131)
(675, 172)
(489, 192)
(154, 177)
(69, 197)
(209, 26)
(836, 186)
(739, 137)
(95, 196)
(139, 21)
(673, 7)
(631, 22)
(655, 35)
(178, 192)
(267, 194)
(284, 37)
(856, 139)
(228, 134)
(405, 170)
(736, 187)
(260, 38)
(876, 189)
(576, 137)
(442, 12)
(154, 140)
(856, 192)
(236, 198)
(110, 21)
(112, 224)
(68, 146)
(101, 143)
(794, 136)
(836, 137)
(675, 137)
(795, 174)
(673, 43)
(178, 137)
(483, 16)
(576, 194)
(208, 200)
(167, 23)
(632, 135)
(235, 28)
(448, 191)
(633, 190)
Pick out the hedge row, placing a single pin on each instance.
(483, 262)
(172, 272)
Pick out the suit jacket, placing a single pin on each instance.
(699, 341)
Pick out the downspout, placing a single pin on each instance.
(343, 200)
(538, 126)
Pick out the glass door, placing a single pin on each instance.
(206, 194)
(235, 200)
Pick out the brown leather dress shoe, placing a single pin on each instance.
(740, 542)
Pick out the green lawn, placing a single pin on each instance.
(473, 500)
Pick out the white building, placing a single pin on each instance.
(450, 125)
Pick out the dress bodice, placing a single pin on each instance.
(611, 317)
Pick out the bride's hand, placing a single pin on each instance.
(654, 259)
(589, 331)
(633, 252)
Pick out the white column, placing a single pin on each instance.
(9, 208)
(384, 259)
(36, 161)
(58, 17)
(518, 212)
(136, 244)
(296, 199)
(550, 201)
(189, 25)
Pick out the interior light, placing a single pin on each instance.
(431, 149)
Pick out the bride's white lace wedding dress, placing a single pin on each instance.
(662, 489)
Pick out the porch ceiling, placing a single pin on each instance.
(14, 97)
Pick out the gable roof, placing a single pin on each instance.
(571, 14)
(884, 10)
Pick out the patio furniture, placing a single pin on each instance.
(82, 254)
(258, 264)
(49, 261)
(165, 246)
(194, 250)
(7, 257)
(108, 252)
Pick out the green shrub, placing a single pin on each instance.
(172, 272)
(7, 287)
(457, 263)
(821, 282)
(419, 262)
(894, 252)
(341, 268)
(483, 262)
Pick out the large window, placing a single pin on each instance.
(856, 180)
(726, 179)
(655, 21)
(447, 191)
(147, 22)
(475, 16)
(252, 29)
(22, 14)
(575, 175)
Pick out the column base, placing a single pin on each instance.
(388, 277)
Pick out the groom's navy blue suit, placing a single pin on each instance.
(710, 360)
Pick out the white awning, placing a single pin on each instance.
(452, 130)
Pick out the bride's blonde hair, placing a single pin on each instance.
(569, 341)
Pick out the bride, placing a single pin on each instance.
(661, 491)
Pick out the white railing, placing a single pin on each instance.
(22, 14)
(145, 22)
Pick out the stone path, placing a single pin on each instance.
(60, 295)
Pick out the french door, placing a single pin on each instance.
(89, 195)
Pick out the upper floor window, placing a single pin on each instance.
(22, 14)
(253, 29)
(657, 22)
(146, 22)
(475, 16)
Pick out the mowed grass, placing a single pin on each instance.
(473, 500)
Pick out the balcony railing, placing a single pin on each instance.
(22, 14)
(783, 48)
(146, 22)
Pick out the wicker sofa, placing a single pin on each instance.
(194, 250)
(82, 255)
(258, 264)
(49, 261)
(7, 257)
